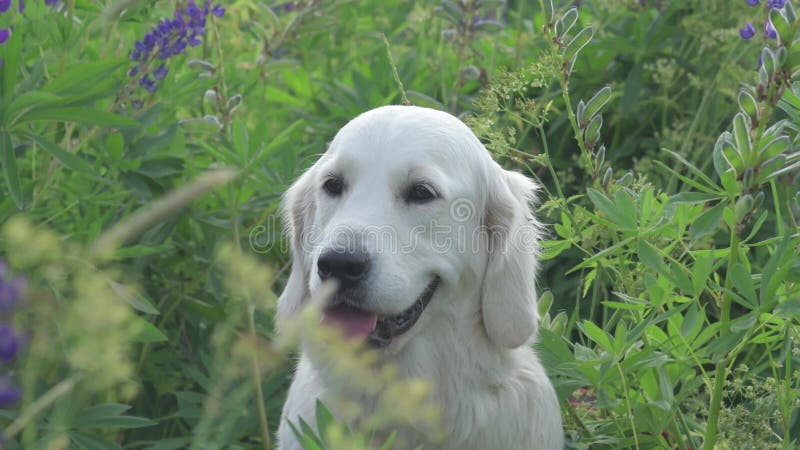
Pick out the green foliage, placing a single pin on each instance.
(668, 157)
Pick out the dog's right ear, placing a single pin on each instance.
(298, 211)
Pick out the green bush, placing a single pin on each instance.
(141, 212)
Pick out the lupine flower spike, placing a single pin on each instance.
(169, 38)
(10, 296)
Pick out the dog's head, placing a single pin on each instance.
(408, 212)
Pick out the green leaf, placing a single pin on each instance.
(596, 103)
(69, 160)
(692, 321)
(720, 347)
(387, 445)
(28, 101)
(578, 42)
(690, 182)
(544, 303)
(776, 269)
(108, 417)
(77, 77)
(619, 216)
(324, 417)
(692, 168)
(729, 183)
(692, 198)
(773, 148)
(138, 302)
(78, 115)
(707, 223)
(551, 249)
(592, 132)
(568, 19)
(10, 172)
(748, 103)
(701, 271)
(720, 160)
(651, 258)
(741, 135)
(624, 203)
(146, 331)
(10, 52)
(308, 437)
(743, 283)
(100, 411)
(597, 335)
(548, 10)
(86, 441)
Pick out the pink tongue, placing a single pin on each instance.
(355, 324)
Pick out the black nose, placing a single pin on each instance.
(349, 267)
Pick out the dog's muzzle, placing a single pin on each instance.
(389, 327)
(378, 331)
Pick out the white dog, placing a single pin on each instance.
(434, 248)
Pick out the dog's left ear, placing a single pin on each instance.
(298, 211)
(508, 299)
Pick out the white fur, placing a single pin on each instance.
(472, 343)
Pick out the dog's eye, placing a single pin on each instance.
(333, 186)
(420, 193)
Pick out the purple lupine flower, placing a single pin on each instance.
(160, 73)
(148, 84)
(10, 289)
(775, 4)
(752, 2)
(770, 31)
(748, 31)
(9, 343)
(170, 37)
(10, 295)
(4, 32)
(283, 7)
(9, 394)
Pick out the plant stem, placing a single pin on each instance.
(628, 404)
(585, 154)
(552, 170)
(710, 437)
(262, 410)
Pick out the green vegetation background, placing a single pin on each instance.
(670, 272)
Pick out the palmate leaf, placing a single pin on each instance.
(621, 211)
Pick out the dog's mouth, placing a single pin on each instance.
(377, 330)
